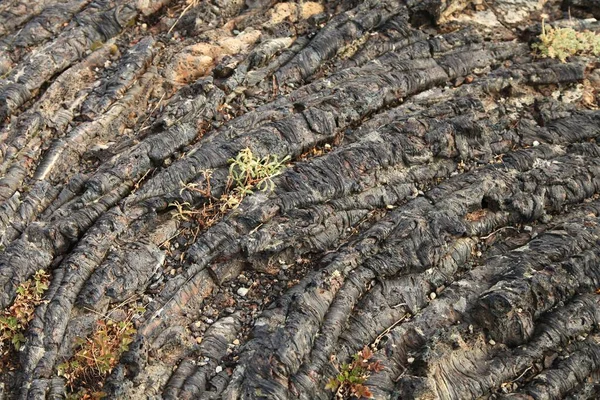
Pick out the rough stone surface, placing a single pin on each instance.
(440, 203)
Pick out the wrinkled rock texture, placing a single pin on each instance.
(441, 203)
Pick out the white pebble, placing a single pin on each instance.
(242, 291)
(536, 143)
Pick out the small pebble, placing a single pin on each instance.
(536, 143)
(199, 339)
(432, 295)
(527, 228)
(118, 315)
(410, 360)
(236, 342)
(242, 291)
(218, 369)
(492, 342)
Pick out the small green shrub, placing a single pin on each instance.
(350, 381)
(97, 355)
(247, 171)
(15, 319)
(562, 43)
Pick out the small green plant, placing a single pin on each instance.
(97, 355)
(350, 381)
(247, 171)
(184, 210)
(565, 42)
(15, 319)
